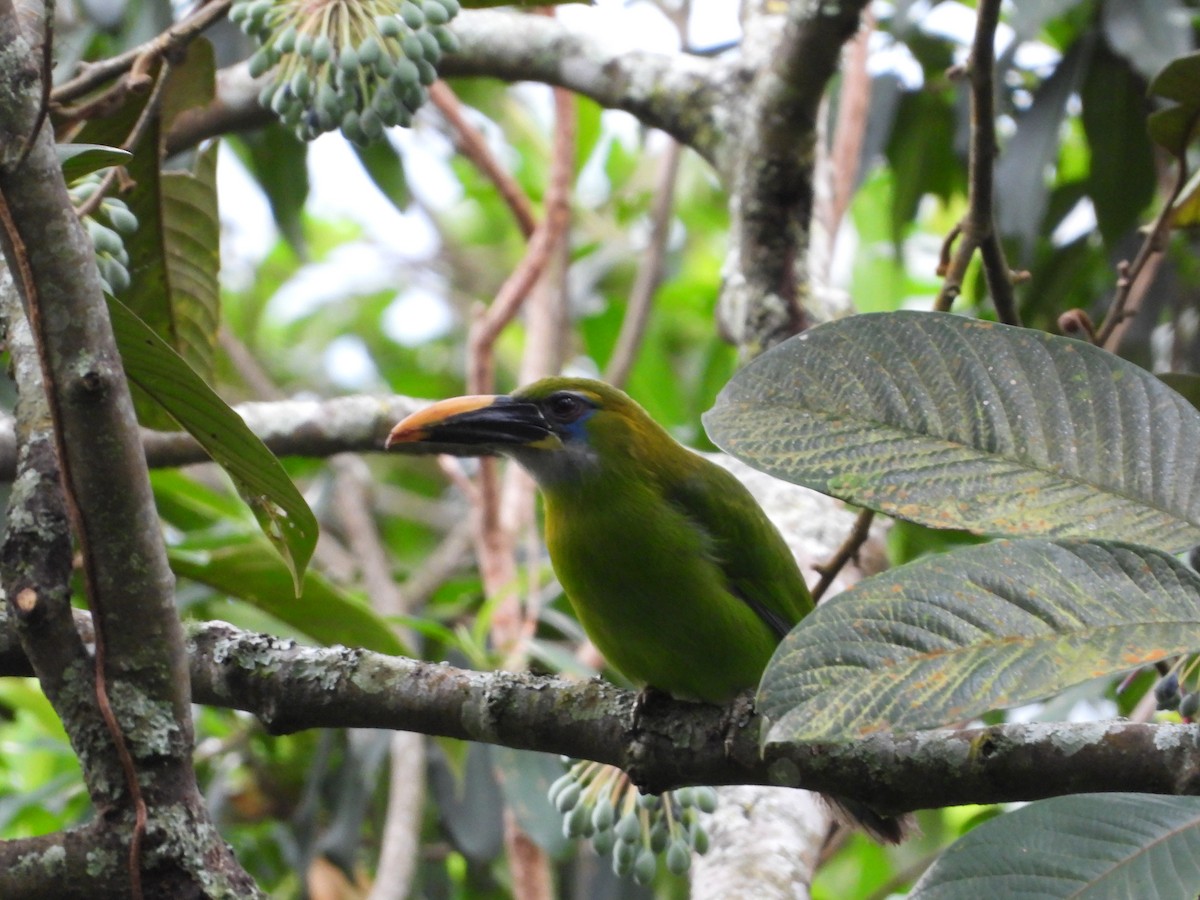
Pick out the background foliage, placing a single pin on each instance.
(357, 271)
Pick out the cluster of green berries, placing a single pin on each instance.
(599, 802)
(107, 227)
(1171, 695)
(357, 65)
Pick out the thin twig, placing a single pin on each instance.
(471, 144)
(649, 275)
(140, 127)
(854, 102)
(175, 37)
(1128, 272)
(849, 549)
(978, 227)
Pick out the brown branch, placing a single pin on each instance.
(139, 640)
(977, 230)
(771, 191)
(165, 45)
(135, 136)
(291, 687)
(1153, 245)
(471, 144)
(849, 550)
(27, 600)
(495, 541)
(854, 104)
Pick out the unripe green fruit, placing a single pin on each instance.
(567, 798)
(679, 858)
(411, 14)
(645, 867)
(123, 221)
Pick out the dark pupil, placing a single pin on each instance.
(565, 406)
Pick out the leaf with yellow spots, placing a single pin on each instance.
(957, 423)
(951, 636)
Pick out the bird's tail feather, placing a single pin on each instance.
(885, 829)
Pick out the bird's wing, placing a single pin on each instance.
(757, 563)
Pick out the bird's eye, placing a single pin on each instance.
(566, 407)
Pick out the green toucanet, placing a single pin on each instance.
(674, 571)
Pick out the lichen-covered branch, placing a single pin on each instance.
(35, 568)
(669, 743)
(141, 669)
(672, 743)
(771, 179)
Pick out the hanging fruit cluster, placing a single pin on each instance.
(357, 65)
(107, 226)
(599, 802)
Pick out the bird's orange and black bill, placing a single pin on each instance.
(470, 426)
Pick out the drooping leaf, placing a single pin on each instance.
(174, 254)
(1089, 846)
(191, 253)
(1121, 178)
(384, 164)
(78, 160)
(278, 160)
(251, 572)
(954, 635)
(470, 803)
(168, 380)
(1021, 194)
(525, 778)
(958, 423)
(1173, 127)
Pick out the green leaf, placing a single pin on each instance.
(1021, 195)
(525, 778)
(279, 161)
(167, 379)
(954, 635)
(958, 423)
(250, 571)
(191, 253)
(1090, 847)
(78, 160)
(385, 166)
(1174, 126)
(1121, 179)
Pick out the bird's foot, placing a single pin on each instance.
(647, 698)
(737, 716)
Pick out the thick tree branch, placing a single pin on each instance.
(141, 667)
(674, 743)
(771, 194)
(695, 100)
(36, 564)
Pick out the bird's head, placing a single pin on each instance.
(556, 428)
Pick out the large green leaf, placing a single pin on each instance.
(1179, 81)
(1121, 178)
(958, 423)
(1090, 846)
(249, 571)
(191, 229)
(169, 381)
(954, 635)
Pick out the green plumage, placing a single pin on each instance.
(674, 571)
